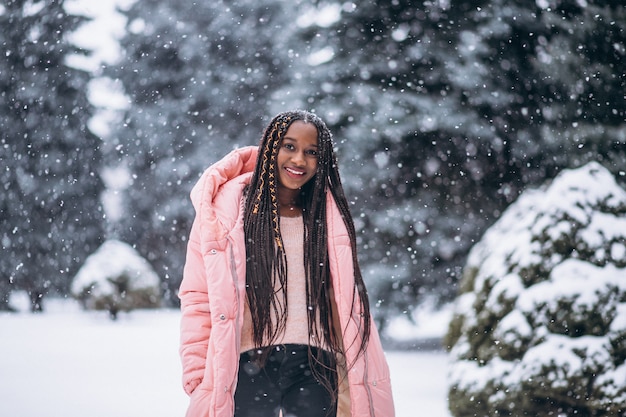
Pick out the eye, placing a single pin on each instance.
(312, 152)
(288, 146)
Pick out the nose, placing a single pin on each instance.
(298, 158)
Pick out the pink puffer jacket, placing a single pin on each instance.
(213, 292)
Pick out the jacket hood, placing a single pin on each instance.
(238, 162)
(217, 195)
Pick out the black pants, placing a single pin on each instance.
(285, 382)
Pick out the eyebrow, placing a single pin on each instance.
(295, 140)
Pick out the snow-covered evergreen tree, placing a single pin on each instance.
(547, 77)
(199, 76)
(378, 74)
(446, 110)
(116, 278)
(540, 324)
(50, 213)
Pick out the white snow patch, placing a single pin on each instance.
(324, 16)
(321, 57)
(101, 35)
(80, 364)
(112, 260)
(427, 322)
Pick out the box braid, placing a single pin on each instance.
(262, 231)
(264, 247)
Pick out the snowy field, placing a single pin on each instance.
(70, 363)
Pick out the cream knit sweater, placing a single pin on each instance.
(296, 331)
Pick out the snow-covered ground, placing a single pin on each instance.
(70, 363)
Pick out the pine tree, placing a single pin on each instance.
(385, 92)
(540, 322)
(50, 214)
(200, 77)
(446, 111)
(548, 79)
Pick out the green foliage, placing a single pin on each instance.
(539, 326)
(124, 296)
(50, 214)
(199, 76)
(446, 111)
(386, 95)
(443, 112)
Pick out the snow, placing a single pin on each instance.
(584, 284)
(101, 37)
(547, 279)
(107, 23)
(105, 266)
(323, 16)
(512, 329)
(320, 57)
(426, 322)
(71, 363)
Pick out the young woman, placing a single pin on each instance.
(275, 315)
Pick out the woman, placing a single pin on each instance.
(276, 318)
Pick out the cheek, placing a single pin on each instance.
(314, 169)
(280, 156)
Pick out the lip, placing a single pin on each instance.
(294, 172)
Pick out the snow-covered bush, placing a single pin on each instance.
(116, 278)
(540, 323)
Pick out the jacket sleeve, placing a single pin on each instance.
(196, 318)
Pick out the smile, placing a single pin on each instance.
(294, 172)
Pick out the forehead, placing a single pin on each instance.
(300, 131)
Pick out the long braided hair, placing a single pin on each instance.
(266, 259)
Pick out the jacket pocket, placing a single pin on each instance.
(213, 247)
(199, 403)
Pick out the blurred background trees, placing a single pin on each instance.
(50, 212)
(447, 111)
(442, 111)
(198, 76)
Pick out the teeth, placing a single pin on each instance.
(294, 172)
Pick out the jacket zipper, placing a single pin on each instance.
(233, 270)
(366, 384)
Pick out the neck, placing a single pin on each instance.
(289, 202)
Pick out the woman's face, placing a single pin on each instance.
(297, 156)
